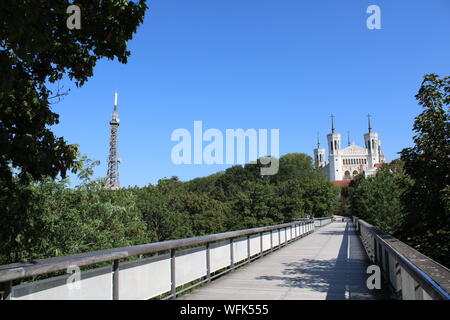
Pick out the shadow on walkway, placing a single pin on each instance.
(341, 278)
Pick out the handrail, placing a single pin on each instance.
(320, 222)
(43, 266)
(437, 286)
(312, 218)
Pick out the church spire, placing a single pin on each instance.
(370, 127)
(348, 137)
(332, 123)
(318, 141)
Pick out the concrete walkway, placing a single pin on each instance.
(328, 264)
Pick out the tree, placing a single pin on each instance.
(37, 49)
(158, 208)
(296, 165)
(427, 226)
(321, 198)
(378, 199)
(47, 219)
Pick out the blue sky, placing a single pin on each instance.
(285, 64)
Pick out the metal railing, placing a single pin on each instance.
(122, 275)
(318, 222)
(321, 222)
(410, 274)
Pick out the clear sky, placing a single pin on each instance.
(284, 64)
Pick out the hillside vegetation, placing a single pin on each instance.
(47, 218)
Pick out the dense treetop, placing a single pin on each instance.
(410, 197)
(48, 218)
(37, 49)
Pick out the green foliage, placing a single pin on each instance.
(297, 166)
(254, 205)
(47, 218)
(377, 199)
(344, 207)
(173, 212)
(37, 49)
(428, 163)
(411, 197)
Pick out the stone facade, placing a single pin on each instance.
(346, 163)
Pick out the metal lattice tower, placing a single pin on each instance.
(113, 160)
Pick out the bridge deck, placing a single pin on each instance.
(328, 264)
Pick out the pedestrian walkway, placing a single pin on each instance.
(329, 264)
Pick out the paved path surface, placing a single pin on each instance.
(328, 264)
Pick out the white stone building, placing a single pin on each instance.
(344, 164)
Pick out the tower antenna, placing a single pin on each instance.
(113, 160)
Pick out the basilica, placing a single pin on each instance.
(344, 164)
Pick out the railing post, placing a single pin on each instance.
(398, 279)
(375, 251)
(7, 290)
(231, 254)
(271, 240)
(408, 286)
(386, 261)
(261, 243)
(248, 247)
(279, 237)
(208, 262)
(172, 273)
(115, 284)
(380, 257)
